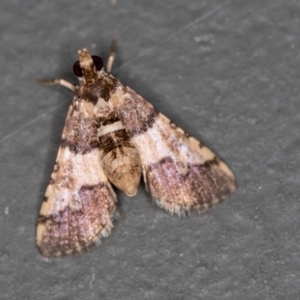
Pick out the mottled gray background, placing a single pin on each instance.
(228, 72)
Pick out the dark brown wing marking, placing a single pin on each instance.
(136, 113)
(71, 230)
(80, 133)
(199, 188)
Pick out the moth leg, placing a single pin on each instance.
(58, 81)
(112, 55)
(147, 188)
(112, 192)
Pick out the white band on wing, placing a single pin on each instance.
(110, 128)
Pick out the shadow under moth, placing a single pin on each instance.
(112, 135)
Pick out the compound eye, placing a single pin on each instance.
(77, 69)
(97, 62)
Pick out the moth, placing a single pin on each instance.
(113, 136)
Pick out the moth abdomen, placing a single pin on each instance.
(120, 159)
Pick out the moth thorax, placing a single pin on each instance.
(123, 169)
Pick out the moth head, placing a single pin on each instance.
(87, 67)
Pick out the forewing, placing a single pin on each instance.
(181, 174)
(79, 202)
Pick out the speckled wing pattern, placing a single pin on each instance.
(112, 134)
(181, 174)
(79, 203)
